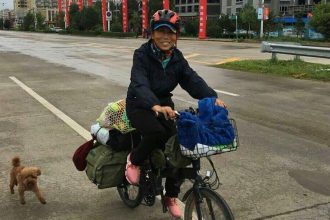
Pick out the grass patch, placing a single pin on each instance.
(293, 68)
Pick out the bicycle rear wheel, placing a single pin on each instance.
(212, 207)
(130, 194)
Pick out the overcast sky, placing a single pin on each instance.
(8, 4)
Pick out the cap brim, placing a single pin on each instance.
(165, 25)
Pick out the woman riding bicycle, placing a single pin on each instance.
(158, 67)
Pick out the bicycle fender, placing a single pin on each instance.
(185, 196)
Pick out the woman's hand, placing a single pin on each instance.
(167, 111)
(219, 102)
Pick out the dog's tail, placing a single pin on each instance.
(16, 161)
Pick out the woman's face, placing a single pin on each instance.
(164, 38)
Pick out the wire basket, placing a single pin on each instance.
(202, 150)
(114, 116)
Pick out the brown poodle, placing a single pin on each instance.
(26, 180)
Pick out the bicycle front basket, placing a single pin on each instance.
(202, 150)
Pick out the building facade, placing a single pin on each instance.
(277, 7)
(48, 8)
(190, 8)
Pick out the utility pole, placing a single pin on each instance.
(109, 19)
(35, 15)
(236, 28)
(262, 20)
(3, 15)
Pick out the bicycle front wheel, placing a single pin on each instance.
(212, 206)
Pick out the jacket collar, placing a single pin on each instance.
(149, 48)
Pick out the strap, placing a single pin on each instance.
(95, 136)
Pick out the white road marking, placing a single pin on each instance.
(227, 93)
(74, 125)
(186, 101)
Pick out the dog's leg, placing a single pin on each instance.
(21, 194)
(12, 182)
(38, 194)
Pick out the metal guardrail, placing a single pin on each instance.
(297, 50)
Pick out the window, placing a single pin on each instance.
(283, 8)
(177, 2)
(183, 9)
(183, 1)
(189, 9)
(196, 8)
(213, 1)
(190, 1)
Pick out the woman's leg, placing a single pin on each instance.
(155, 132)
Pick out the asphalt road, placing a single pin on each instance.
(281, 171)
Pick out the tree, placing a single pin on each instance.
(153, 6)
(40, 21)
(28, 22)
(299, 25)
(321, 19)
(91, 18)
(191, 26)
(248, 17)
(226, 25)
(60, 20)
(1, 23)
(7, 24)
(74, 16)
(135, 22)
(98, 8)
(213, 28)
(269, 24)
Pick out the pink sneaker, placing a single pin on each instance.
(132, 172)
(173, 207)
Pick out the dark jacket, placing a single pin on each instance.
(151, 84)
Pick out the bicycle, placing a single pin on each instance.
(201, 199)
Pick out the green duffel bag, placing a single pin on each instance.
(106, 167)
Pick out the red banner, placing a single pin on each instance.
(104, 19)
(125, 17)
(266, 13)
(144, 15)
(202, 19)
(166, 4)
(59, 5)
(89, 3)
(67, 17)
(80, 4)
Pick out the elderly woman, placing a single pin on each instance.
(158, 67)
